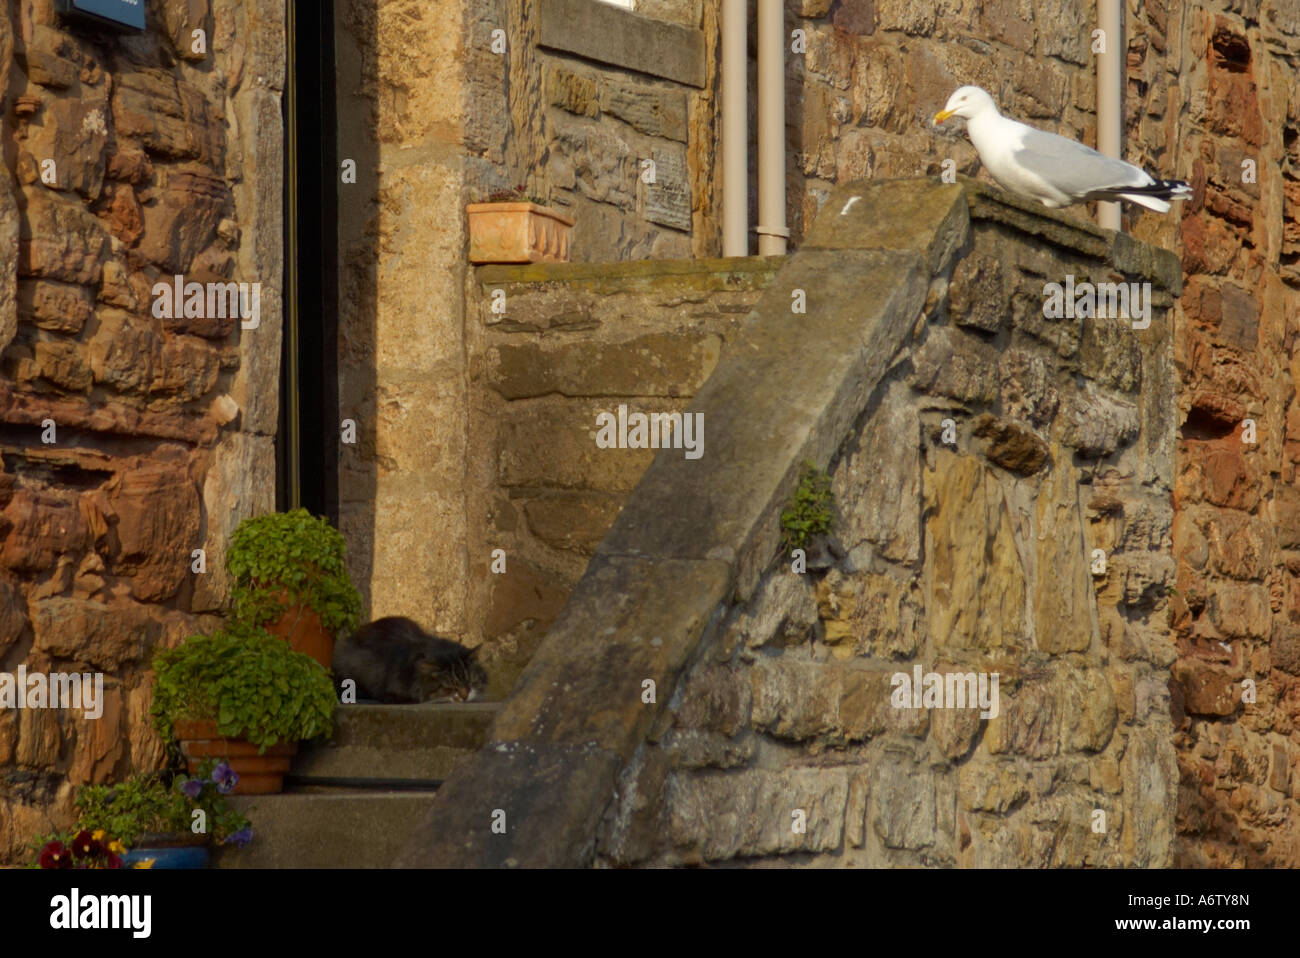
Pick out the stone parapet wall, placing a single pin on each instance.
(771, 688)
(970, 554)
(551, 346)
(125, 167)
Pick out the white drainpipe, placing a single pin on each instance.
(772, 232)
(1110, 73)
(735, 131)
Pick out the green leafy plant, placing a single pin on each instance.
(160, 802)
(291, 558)
(811, 511)
(515, 195)
(252, 684)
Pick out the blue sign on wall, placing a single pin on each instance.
(122, 13)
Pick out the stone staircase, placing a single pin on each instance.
(349, 803)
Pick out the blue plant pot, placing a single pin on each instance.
(192, 856)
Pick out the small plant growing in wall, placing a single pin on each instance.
(811, 511)
(514, 195)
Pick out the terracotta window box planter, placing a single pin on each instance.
(517, 232)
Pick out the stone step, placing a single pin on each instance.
(408, 743)
(324, 828)
(350, 802)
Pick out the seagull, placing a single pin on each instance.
(1049, 168)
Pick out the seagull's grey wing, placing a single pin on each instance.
(1073, 168)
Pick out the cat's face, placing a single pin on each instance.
(462, 680)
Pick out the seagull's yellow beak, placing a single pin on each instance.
(942, 115)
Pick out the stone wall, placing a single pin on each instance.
(435, 118)
(1211, 98)
(126, 440)
(405, 73)
(1237, 611)
(974, 555)
(594, 92)
(770, 688)
(570, 341)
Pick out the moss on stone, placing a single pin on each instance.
(734, 272)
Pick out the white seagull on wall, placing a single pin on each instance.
(1050, 168)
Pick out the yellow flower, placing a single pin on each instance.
(98, 835)
(116, 847)
(145, 863)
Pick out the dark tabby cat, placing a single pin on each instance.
(393, 660)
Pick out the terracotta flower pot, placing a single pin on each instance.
(517, 232)
(300, 627)
(258, 774)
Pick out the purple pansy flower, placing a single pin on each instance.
(225, 778)
(192, 787)
(241, 837)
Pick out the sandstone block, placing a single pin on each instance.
(975, 295)
(954, 731)
(96, 634)
(42, 526)
(901, 805)
(1010, 446)
(1239, 610)
(993, 788)
(1028, 391)
(716, 699)
(1088, 709)
(124, 350)
(13, 618)
(1096, 424)
(73, 134)
(879, 495)
(1208, 688)
(658, 364)
(58, 307)
(157, 526)
(751, 812)
(240, 484)
(956, 364)
(573, 521)
(1063, 597)
(1028, 723)
(976, 589)
(60, 240)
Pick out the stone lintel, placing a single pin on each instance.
(606, 34)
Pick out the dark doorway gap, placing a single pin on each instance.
(307, 442)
